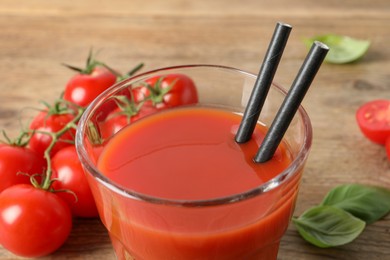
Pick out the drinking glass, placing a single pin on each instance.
(248, 225)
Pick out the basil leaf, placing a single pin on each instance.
(365, 202)
(327, 226)
(343, 49)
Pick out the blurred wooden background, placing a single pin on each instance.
(37, 36)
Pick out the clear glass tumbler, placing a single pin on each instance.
(248, 225)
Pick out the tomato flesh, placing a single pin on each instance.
(374, 120)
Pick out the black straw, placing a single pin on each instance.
(263, 82)
(291, 102)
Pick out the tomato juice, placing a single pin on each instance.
(189, 191)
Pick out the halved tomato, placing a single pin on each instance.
(374, 120)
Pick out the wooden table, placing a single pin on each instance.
(36, 36)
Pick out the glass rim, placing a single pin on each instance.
(275, 182)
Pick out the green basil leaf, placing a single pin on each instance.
(327, 226)
(365, 202)
(342, 49)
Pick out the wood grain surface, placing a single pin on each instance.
(37, 36)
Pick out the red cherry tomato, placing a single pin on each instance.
(81, 89)
(118, 119)
(44, 122)
(69, 175)
(374, 120)
(33, 222)
(168, 91)
(17, 164)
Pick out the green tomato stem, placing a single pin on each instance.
(47, 180)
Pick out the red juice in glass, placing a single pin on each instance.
(176, 185)
(190, 154)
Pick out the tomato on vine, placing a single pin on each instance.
(148, 97)
(126, 112)
(84, 87)
(47, 123)
(17, 164)
(167, 91)
(92, 80)
(71, 183)
(33, 222)
(42, 182)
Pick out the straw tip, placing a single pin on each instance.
(284, 24)
(321, 45)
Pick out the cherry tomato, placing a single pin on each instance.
(33, 222)
(17, 164)
(81, 89)
(44, 122)
(167, 91)
(69, 175)
(374, 120)
(119, 119)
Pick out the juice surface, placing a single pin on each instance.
(188, 154)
